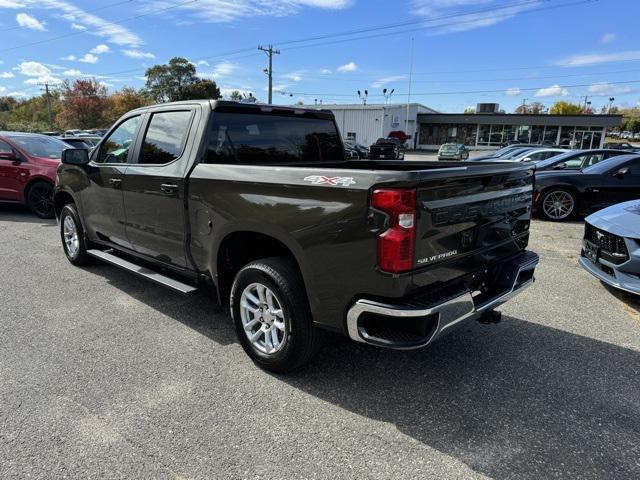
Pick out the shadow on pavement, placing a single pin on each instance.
(516, 400)
(20, 214)
(199, 312)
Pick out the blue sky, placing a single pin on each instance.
(465, 51)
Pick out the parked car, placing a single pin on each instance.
(453, 151)
(537, 154)
(28, 163)
(261, 203)
(72, 133)
(363, 152)
(505, 156)
(504, 151)
(611, 246)
(576, 159)
(351, 153)
(390, 148)
(80, 142)
(562, 194)
(620, 146)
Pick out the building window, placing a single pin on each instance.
(523, 133)
(566, 136)
(351, 136)
(550, 135)
(483, 135)
(537, 133)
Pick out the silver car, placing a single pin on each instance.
(611, 246)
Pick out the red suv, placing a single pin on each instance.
(28, 164)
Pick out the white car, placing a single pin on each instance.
(538, 154)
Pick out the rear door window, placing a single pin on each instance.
(165, 138)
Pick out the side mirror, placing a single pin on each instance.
(560, 166)
(75, 156)
(526, 159)
(11, 156)
(622, 172)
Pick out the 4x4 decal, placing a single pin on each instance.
(322, 180)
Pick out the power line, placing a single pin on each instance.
(459, 92)
(79, 32)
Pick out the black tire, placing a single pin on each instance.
(40, 199)
(547, 196)
(302, 339)
(77, 256)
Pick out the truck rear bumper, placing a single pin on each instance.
(417, 323)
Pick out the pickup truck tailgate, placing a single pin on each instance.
(472, 218)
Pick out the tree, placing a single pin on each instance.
(126, 100)
(565, 108)
(533, 108)
(177, 80)
(84, 104)
(470, 110)
(201, 89)
(235, 95)
(633, 125)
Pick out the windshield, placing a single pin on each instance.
(449, 148)
(40, 146)
(557, 159)
(257, 138)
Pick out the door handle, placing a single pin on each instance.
(115, 182)
(169, 188)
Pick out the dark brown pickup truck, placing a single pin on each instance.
(260, 202)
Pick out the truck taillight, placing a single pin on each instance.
(396, 245)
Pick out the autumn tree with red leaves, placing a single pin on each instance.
(84, 104)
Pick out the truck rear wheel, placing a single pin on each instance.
(271, 315)
(72, 235)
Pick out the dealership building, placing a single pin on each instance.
(428, 129)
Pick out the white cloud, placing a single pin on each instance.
(138, 54)
(608, 38)
(89, 58)
(33, 69)
(458, 23)
(72, 73)
(597, 58)
(222, 11)
(293, 76)
(513, 91)
(77, 16)
(106, 84)
(69, 57)
(605, 88)
(326, 71)
(348, 67)
(100, 49)
(17, 94)
(203, 63)
(552, 91)
(77, 26)
(381, 82)
(3, 89)
(221, 69)
(6, 75)
(27, 21)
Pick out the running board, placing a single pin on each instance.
(147, 273)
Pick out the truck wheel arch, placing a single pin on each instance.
(60, 199)
(239, 248)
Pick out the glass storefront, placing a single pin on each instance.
(490, 135)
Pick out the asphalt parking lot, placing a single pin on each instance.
(105, 375)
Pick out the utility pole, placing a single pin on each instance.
(269, 71)
(46, 89)
(586, 103)
(524, 105)
(406, 123)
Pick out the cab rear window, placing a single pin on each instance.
(263, 139)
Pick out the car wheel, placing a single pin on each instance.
(401, 156)
(557, 204)
(271, 315)
(72, 235)
(40, 199)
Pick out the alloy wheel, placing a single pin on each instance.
(40, 200)
(558, 205)
(70, 233)
(263, 319)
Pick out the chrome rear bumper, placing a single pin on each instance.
(518, 274)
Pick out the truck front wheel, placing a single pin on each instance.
(72, 235)
(271, 315)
